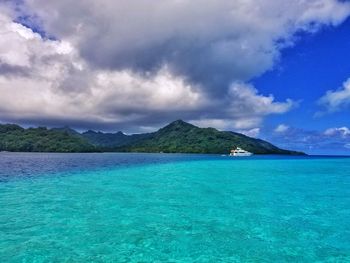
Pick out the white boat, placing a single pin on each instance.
(240, 152)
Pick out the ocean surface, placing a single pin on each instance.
(173, 208)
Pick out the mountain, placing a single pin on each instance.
(112, 140)
(176, 137)
(17, 139)
(182, 137)
(66, 129)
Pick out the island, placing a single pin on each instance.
(176, 137)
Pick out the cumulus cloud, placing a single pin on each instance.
(281, 128)
(243, 108)
(213, 42)
(343, 132)
(255, 132)
(249, 107)
(335, 100)
(227, 125)
(121, 64)
(60, 86)
(332, 140)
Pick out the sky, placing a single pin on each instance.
(271, 69)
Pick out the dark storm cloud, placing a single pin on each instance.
(197, 61)
(211, 43)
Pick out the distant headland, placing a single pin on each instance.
(176, 137)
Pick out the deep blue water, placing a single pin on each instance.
(173, 208)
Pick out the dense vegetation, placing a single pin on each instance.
(17, 139)
(177, 137)
(112, 140)
(183, 137)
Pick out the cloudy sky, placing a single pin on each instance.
(277, 70)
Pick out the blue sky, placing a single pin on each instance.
(271, 69)
(317, 63)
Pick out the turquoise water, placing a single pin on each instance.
(173, 208)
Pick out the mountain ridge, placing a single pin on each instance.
(176, 137)
(183, 137)
(14, 138)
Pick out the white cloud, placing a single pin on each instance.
(255, 132)
(227, 125)
(147, 63)
(330, 141)
(244, 98)
(248, 108)
(335, 100)
(282, 128)
(343, 132)
(243, 108)
(234, 39)
(221, 124)
(47, 79)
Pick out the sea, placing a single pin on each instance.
(133, 207)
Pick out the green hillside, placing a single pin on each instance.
(182, 137)
(17, 139)
(112, 140)
(177, 137)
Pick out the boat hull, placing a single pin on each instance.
(241, 154)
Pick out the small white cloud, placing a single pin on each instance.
(330, 141)
(244, 109)
(335, 100)
(251, 133)
(220, 124)
(282, 128)
(247, 99)
(227, 125)
(343, 131)
(248, 108)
